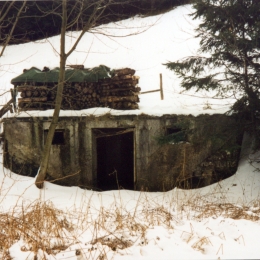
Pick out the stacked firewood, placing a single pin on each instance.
(120, 91)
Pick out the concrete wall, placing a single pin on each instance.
(157, 167)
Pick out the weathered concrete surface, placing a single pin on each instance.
(202, 158)
(209, 154)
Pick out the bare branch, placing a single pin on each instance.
(12, 30)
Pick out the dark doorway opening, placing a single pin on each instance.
(114, 158)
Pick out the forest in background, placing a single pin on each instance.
(39, 19)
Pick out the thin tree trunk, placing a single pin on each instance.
(47, 147)
(99, 7)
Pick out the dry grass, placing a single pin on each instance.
(227, 210)
(40, 226)
(43, 228)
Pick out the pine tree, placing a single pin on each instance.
(229, 53)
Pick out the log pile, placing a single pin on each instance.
(120, 91)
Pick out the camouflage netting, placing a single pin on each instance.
(84, 88)
(35, 75)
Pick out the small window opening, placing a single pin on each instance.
(58, 138)
(176, 135)
(170, 131)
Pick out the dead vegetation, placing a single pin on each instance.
(227, 210)
(39, 226)
(42, 230)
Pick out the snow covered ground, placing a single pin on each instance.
(220, 221)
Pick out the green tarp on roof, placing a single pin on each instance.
(71, 75)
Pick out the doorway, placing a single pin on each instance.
(114, 160)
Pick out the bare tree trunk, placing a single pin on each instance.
(97, 8)
(47, 147)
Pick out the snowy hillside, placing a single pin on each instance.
(150, 43)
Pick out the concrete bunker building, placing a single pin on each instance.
(134, 151)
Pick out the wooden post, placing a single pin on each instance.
(161, 86)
